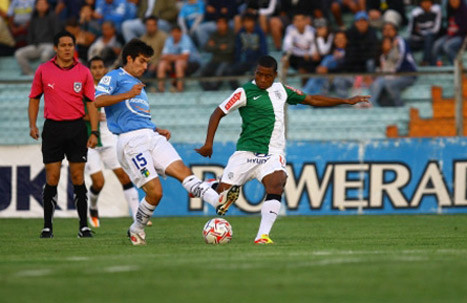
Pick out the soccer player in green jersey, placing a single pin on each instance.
(260, 150)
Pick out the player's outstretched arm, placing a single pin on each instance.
(108, 100)
(206, 149)
(318, 100)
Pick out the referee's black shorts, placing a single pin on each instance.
(61, 138)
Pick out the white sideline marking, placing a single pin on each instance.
(122, 268)
(34, 273)
(78, 258)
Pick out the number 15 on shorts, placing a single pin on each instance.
(140, 162)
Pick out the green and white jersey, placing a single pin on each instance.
(262, 112)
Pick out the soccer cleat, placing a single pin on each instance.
(94, 218)
(213, 183)
(85, 232)
(137, 238)
(227, 198)
(47, 233)
(264, 239)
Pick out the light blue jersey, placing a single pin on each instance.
(128, 115)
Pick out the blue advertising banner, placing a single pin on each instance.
(397, 176)
(402, 176)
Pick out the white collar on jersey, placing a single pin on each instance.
(129, 74)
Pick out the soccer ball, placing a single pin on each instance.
(217, 231)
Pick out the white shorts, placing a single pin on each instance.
(99, 155)
(144, 154)
(244, 166)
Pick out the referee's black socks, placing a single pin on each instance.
(49, 200)
(81, 202)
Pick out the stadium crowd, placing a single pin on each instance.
(310, 36)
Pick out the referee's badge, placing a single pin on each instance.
(77, 86)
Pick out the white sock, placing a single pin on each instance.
(144, 213)
(92, 197)
(131, 196)
(269, 212)
(201, 189)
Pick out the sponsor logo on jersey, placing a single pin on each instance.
(297, 91)
(233, 100)
(278, 94)
(257, 161)
(77, 86)
(145, 172)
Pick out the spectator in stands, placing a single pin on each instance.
(363, 45)
(179, 57)
(84, 39)
(222, 47)
(300, 46)
(215, 9)
(111, 10)
(107, 46)
(451, 42)
(19, 15)
(336, 7)
(287, 10)
(250, 45)
(424, 26)
(377, 8)
(67, 9)
(165, 10)
(155, 38)
(190, 17)
(43, 27)
(7, 43)
(324, 39)
(331, 63)
(264, 10)
(396, 57)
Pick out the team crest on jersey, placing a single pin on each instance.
(278, 94)
(230, 175)
(77, 86)
(106, 80)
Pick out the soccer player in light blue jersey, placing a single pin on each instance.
(143, 149)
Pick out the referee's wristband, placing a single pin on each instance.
(96, 133)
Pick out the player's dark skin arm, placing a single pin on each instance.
(33, 111)
(317, 100)
(206, 149)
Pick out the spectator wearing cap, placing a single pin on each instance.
(386, 90)
(424, 26)
(300, 45)
(377, 8)
(363, 45)
(456, 31)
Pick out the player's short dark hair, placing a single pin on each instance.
(61, 35)
(268, 62)
(176, 27)
(249, 16)
(152, 17)
(134, 48)
(95, 58)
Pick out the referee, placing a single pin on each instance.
(64, 82)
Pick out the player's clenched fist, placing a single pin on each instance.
(136, 90)
(205, 151)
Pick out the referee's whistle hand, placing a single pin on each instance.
(34, 132)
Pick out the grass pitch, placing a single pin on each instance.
(315, 259)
